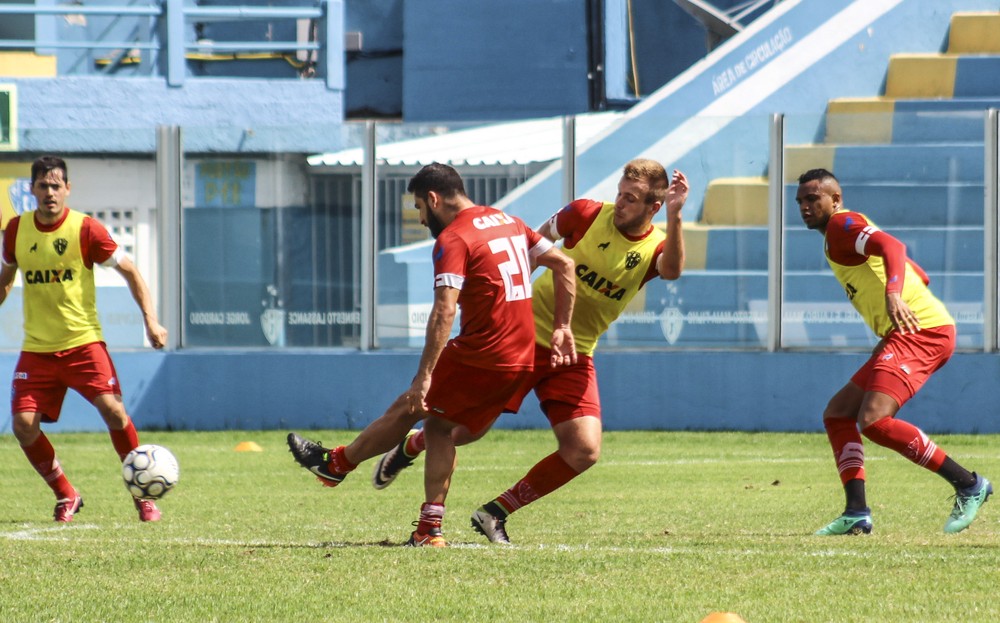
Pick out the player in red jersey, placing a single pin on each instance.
(617, 250)
(483, 261)
(56, 249)
(917, 334)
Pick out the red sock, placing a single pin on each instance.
(431, 516)
(545, 477)
(42, 457)
(125, 440)
(908, 440)
(339, 462)
(415, 444)
(848, 448)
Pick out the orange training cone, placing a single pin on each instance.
(723, 617)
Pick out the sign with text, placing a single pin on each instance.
(226, 184)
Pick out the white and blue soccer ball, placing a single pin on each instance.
(150, 471)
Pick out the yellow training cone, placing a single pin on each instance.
(248, 446)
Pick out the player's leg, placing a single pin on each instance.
(124, 438)
(840, 419)
(971, 489)
(459, 395)
(37, 395)
(331, 465)
(571, 402)
(89, 371)
(579, 448)
(439, 465)
(402, 455)
(384, 433)
(42, 456)
(893, 382)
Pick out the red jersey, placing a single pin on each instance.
(487, 255)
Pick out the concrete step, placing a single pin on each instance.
(882, 120)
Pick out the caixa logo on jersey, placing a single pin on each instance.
(600, 284)
(491, 220)
(54, 275)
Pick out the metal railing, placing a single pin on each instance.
(172, 16)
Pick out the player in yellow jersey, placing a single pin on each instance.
(917, 334)
(617, 250)
(56, 249)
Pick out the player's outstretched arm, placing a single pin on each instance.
(156, 332)
(562, 267)
(670, 263)
(439, 324)
(7, 274)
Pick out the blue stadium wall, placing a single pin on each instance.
(752, 391)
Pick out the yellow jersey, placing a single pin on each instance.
(610, 269)
(863, 276)
(60, 307)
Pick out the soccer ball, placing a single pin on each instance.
(150, 471)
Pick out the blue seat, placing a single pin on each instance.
(927, 163)
(946, 120)
(936, 250)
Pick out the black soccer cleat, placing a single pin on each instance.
(391, 463)
(315, 458)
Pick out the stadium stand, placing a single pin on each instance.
(911, 159)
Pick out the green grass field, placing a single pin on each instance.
(667, 527)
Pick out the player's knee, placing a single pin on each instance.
(869, 417)
(115, 419)
(581, 457)
(25, 431)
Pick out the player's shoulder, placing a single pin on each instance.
(849, 218)
(846, 222)
(584, 205)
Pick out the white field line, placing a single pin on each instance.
(48, 533)
(821, 551)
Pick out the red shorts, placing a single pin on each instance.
(905, 362)
(565, 393)
(41, 379)
(470, 396)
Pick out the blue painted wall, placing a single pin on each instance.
(375, 73)
(524, 58)
(99, 115)
(500, 60)
(203, 390)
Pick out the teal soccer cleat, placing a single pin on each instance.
(851, 522)
(967, 504)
